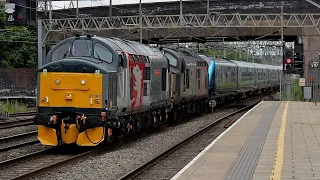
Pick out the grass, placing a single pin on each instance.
(296, 91)
(13, 106)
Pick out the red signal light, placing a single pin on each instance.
(19, 17)
(288, 61)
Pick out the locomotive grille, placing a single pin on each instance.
(146, 73)
(112, 91)
(145, 89)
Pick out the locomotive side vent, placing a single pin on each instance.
(145, 89)
(112, 90)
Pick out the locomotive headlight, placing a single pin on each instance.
(57, 81)
(83, 82)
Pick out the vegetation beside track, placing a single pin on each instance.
(13, 107)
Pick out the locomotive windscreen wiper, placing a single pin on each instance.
(98, 56)
(65, 54)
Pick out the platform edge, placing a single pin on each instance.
(211, 144)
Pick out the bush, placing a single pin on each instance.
(13, 107)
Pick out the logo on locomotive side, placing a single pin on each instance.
(137, 89)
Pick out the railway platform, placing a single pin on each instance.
(274, 140)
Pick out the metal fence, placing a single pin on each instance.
(306, 89)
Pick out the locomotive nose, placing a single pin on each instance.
(71, 83)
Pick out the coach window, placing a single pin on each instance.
(102, 53)
(61, 52)
(173, 61)
(82, 48)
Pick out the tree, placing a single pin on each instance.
(2, 15)
(17, 43)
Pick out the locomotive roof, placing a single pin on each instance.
(186, 55)
(110, 46)
(129, 46)
(118, 44)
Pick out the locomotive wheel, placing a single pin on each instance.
(149, 120)
(163, 117)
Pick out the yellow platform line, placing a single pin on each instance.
(277, 167)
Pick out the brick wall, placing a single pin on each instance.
(17, 81)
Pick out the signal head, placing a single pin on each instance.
(288, 61)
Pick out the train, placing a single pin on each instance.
(92, 89)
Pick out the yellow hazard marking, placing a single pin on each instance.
(277, 167)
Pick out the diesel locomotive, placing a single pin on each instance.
(93, 88)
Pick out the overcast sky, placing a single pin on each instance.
(86, 3)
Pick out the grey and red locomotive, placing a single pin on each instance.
(91, 88)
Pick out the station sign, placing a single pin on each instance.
(302, 82)
(10, 9)
(315, 64)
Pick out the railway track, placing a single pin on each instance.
(41, 161)
(144, 167)
(34, 164)
(15, 120)
(16, 138)
(31, 113)
(16, 123)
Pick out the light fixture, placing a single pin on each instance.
(57, 81)
(83, 82)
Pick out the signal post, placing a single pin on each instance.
(293, 63)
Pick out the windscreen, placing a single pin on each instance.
(82, 48)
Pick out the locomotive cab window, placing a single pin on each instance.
(61, 52)
(172, 60)
(82, 48)
(102, 53)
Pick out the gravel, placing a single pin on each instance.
(169, 166)
(18, 140)
(114, 164)
(13, 153)
(21, 151)
(12, 119)
(17, 130)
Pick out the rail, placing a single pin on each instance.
(150, 163)
(30, 113)
(15, 138)
(18, 123)
(38, 162)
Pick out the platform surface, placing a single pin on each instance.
(274, 140)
